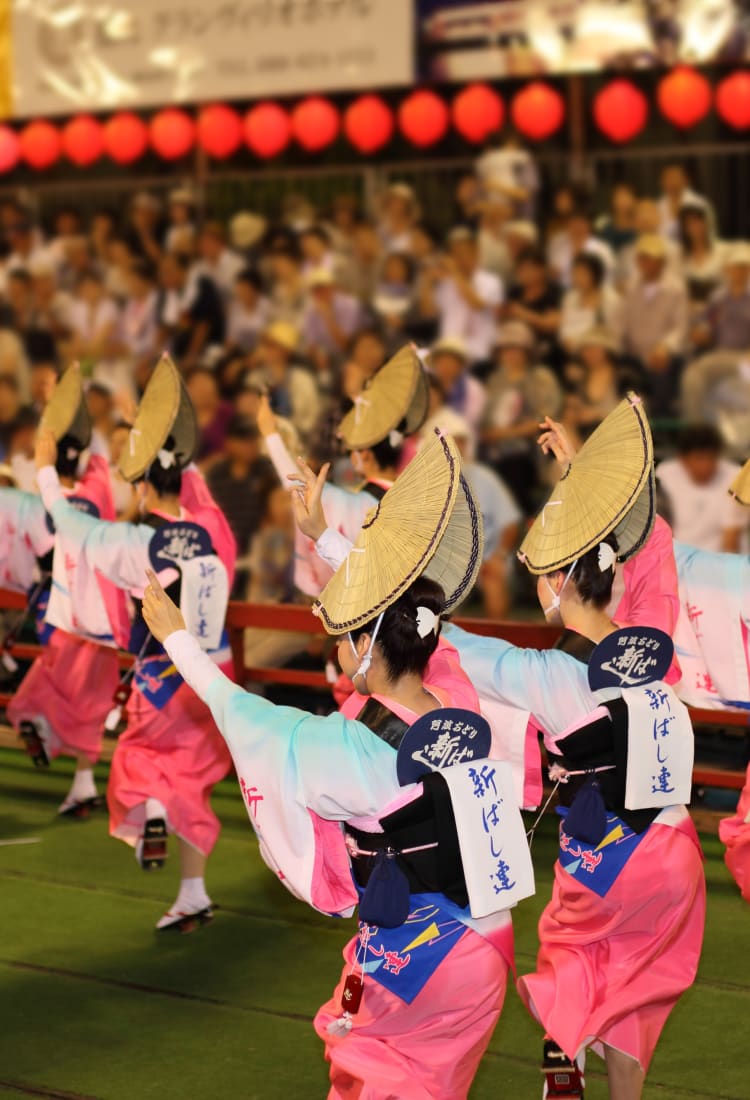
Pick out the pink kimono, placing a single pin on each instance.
(68, 690)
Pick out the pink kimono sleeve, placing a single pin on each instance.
(651, 596)
(95, 485)
(195, 497)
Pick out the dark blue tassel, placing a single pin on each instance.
(587, 817)
(386, 899)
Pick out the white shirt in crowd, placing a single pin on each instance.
(701, 514)
(458, 319)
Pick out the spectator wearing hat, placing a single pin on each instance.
(217, 260)
(520, 393)
(464, 298)
(292, 389)
(240, 483)
(519, 235)
(647, 223)
(181, 218)
(398, 213)
(655, 322)
(696, 490)
(330, 320)
(590, 302)
(246, 232)
(725, 324)
(190, 311)
(249, 312)
(507, 170)
(449, 364)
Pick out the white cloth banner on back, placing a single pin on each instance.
(660, 749)
(83, 54)
(204, 593)
(509, 725)
(491, 835)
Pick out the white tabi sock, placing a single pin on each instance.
(83, 786)
(154, 808)
(192, 896)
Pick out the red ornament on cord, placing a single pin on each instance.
(10, 149)
(172, 133)
(125, 137)
(684, 97)
(219, 130)
(733, 100)
(315, 123)
(537, 110)
(267, 129)
(83, 140)
(478, 111)
(620, 111)
(423, 118)
(40, 144)
(368, 123)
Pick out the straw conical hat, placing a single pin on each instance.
(399, 391)
(740, 487)
(66, 412)
(427, 524)
(608, 488)
(165, 410)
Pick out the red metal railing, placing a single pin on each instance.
(299, 619)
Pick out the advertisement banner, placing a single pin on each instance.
(74, 55)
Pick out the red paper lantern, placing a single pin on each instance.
(537, 110)
(620, 110)
(125, 137)
(684, 97)
(478, 111)
(83, 140)
(423, 118)
(10, 149)
(267, 129)
(219, 130)
(733, 100)
(40, 144)
(368, 123)
(172, 133)
(315, 123)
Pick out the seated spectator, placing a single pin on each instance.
(509, 171)
(249, 312)
(398, 213)
(361, 268)
(594, 381)
(655, 322)
(26, 247)
(117, 264)
(695, 486)
(123, 492)
(463, 298)
(518, 237)
(702, 257)
(246, 233)
(67, 225)
(288, 289)
(292, 388)
(20, 316)
(618, 227)
(715, 389)
(467, 200)
(647, 223)
(330, 320)
(139, 327)
(189, 311)
(462, 392)
(77, 261)
(144, 230)
(181, 220)
(240, 483)
(316, 249)
(725, 324)
(101, 234)
(577, 237)
(50, 306)
(216, 260)
(10, 409)
(100, 401)
(494, 253)
(520, 393)
(534, 299)
(20, 455)
(367, 353)
(211, 413)
(344, 216)
(394, 298)
(94, 320)
(589, 303)
(676, 192)
(14, 363)
(42, 382)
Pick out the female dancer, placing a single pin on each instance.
(324, 797)
(171, 755)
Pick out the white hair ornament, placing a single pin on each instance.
(427, 622)
(607, 557)
(167, 459)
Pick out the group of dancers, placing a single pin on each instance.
(406, 803)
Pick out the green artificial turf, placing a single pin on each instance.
(94, 1004)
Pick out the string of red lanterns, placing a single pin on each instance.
(620, 111)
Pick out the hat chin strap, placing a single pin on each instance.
(366, 661)
(557, 596)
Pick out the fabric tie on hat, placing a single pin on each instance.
(557, 596)
(607, 557)
(364, 664)
(132, 440)
(427, 621)
(359, 402)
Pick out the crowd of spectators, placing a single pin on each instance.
(520, 311)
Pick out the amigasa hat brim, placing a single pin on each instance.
(66, 412)
(165, 409)
(608, 488)
(740, 487)
(428, 523)
(398, 392)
